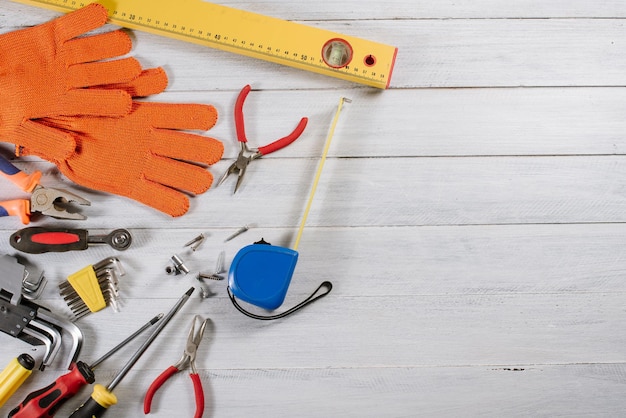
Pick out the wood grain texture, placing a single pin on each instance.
(432, 53)
(471, 219)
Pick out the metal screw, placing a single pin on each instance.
(238, 232)
(195, 243)
(213, 276)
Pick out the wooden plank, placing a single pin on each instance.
(432, 53)
(448, 53)
(392, 331)
(392, 9)
(425, 9)
(377, 261)
(573, 390)
(500, 295)
(420, 191)
(443, 122)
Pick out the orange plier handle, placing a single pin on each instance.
(26, 182)
(241, 130)
(162, 378)
(16, 207)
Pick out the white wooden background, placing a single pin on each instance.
(471, 218)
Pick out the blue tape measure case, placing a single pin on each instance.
(260, 274)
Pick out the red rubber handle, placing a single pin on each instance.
(43, 403)
(55, 238)
(158, 382)
(283, 142)
(239, 124)
(199, 393)
(241, 131)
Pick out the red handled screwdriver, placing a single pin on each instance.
(102, 397)
(45, 402)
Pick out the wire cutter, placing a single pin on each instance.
(188, 359)
(246, 155)
(45, 200)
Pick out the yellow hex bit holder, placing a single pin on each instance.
(85, 283)
(92, 288)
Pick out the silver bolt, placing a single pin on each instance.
(178, 266)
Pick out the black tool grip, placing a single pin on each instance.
(38, 240)
(43, 403)
(97, 404)
(90, 409)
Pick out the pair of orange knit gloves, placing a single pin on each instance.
(64, 98)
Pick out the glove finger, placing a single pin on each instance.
(178, 116)
(146, 191)
(59, 122)
(97, 47)
(44, 141)
(100, 73)
(80, 21)
(187, 147)
(96, 102)
(151, 81)
(161, 198)
(178, 175)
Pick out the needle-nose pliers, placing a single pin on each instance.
(188, 359)
(246, 155)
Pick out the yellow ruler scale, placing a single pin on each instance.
(251, 34)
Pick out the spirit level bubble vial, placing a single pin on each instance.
(251, 34)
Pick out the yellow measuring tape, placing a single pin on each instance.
(251, 34)
(318, 173)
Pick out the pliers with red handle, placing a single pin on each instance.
(246, 155)
(188, 359)
(45, 200)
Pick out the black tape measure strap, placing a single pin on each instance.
(325, 287)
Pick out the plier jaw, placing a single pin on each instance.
(238, 166)
(45, 200)
(193, 341)
(55, 202)
(247, 155)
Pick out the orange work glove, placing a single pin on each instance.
(48, 70)
(143, 155)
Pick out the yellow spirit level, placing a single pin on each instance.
(251, 34)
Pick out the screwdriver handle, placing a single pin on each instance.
(101, 399)
(14, 375)
(43, 403)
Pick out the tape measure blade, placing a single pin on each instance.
(251, 34)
